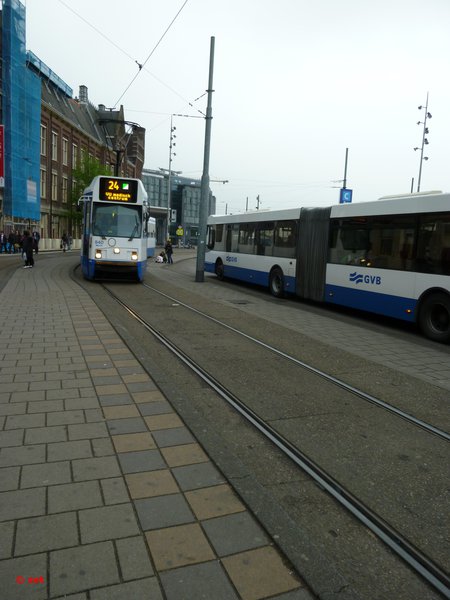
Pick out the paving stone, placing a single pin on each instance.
(143, 589)
(163, 511)
(187, 454)
(19, 408)
(46, 533)
(86, 431)
(14, 437)
(107, 523)
(22, 455)
(134, 559)
(95, 468)
(132, 425)
(83, 403)
(74, 496)
(164, 421)
(143, 460)
(78, 569)
(46, 406)
(234, 533)
(173, 437)
(114, 490)
(155, 408)
(45, 474)
(260, 573)
(43, 435)
(133, 441)
(115, 399)
(148, 396)
(9, 478)
(17, 570)
(204, 581)
(26, 396)
(178, 546)
(120, 412)
(69, 450)
(6, 539)
(191, 477)
(151, 483)
(22, 503)
(25, 421)
(102, 447)
(214, 501)
(66, 417)
(93, 415)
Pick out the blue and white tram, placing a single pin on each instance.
(390, 257)
(115, 241)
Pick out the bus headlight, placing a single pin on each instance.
(134, 255)
(116, 250)
(98, 254)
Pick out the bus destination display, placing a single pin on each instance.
(113, 189)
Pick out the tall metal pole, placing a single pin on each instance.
(344, 185)
(204, 197)
(423, 143)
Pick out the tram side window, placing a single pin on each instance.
(285, 239)
(247, 238)
(433, 245)
(264, 238)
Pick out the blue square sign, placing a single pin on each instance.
(345, 196)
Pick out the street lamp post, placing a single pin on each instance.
(169, 178)
(425, 142)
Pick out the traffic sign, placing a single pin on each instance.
(345, 196)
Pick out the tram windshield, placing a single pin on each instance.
(117, 220)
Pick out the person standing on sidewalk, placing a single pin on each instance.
(27, 247)
(36, 239)
(169, 251)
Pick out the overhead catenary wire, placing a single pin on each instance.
(125, 53)
(141, 66)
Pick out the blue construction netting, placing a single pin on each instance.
(22, 116)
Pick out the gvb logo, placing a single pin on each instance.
(360, 278)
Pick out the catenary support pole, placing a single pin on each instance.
(204, 197)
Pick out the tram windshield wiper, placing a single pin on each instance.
(135, 228)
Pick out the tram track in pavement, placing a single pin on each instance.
(424, 566)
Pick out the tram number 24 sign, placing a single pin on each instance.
(113, 189)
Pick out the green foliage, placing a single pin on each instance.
(82, 175)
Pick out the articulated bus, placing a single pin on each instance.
(118, 234)
(390, 257)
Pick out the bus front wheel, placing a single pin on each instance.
(434, 318)
(276, 282)
(219, 270)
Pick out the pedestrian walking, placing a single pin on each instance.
(64, 242)
(169, 251)
(36, 239)
(3, 242)
(27, 247)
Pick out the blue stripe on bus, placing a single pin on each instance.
(251, 276)
(382, 304)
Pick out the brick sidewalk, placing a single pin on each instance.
(105, 494)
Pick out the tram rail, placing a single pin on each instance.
(424, 566)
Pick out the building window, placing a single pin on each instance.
(74, 156)
(54, 186)
(43, 183)
(64, 189)
(54, 145)
(65, 151)
(43, 140)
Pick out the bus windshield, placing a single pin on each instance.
(116, 220)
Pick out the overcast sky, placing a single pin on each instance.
(296, 82)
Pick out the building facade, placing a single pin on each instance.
(183, 204)
(48, 133)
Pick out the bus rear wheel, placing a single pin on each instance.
(219, 270)
(276, 282)
(434, 318)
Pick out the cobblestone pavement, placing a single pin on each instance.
(104, 492)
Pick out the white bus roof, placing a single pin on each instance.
(387, 205)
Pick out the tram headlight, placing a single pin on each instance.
(98, 254)
(134, 255)
(116, 250)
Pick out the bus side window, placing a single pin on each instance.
(211, 237)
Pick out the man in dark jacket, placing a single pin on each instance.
(27, 246)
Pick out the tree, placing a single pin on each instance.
(82, 175)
